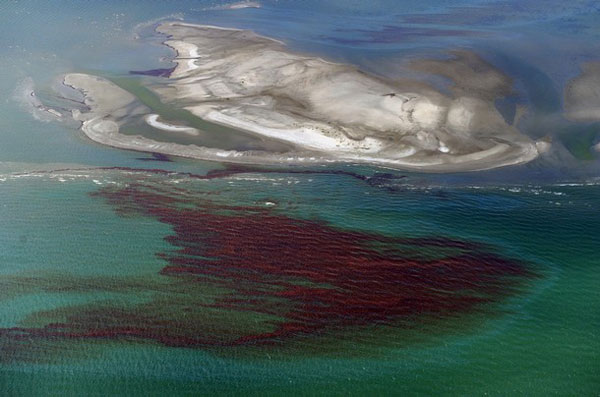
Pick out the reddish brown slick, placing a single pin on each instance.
(312, 277)
(328, 278)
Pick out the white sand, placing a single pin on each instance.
(152, 119)
(248, 81)
(243, 4)
(327, 111)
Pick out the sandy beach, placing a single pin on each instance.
(327, 111)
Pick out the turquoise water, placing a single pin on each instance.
(74, 261)
(543, 340)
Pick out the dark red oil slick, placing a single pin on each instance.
(312, 277)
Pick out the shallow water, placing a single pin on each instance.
(117, 280)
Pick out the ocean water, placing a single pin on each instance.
(122, 274)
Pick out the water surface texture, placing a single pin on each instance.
(130, 273)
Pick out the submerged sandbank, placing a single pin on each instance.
(582, 94)
(326, 111)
